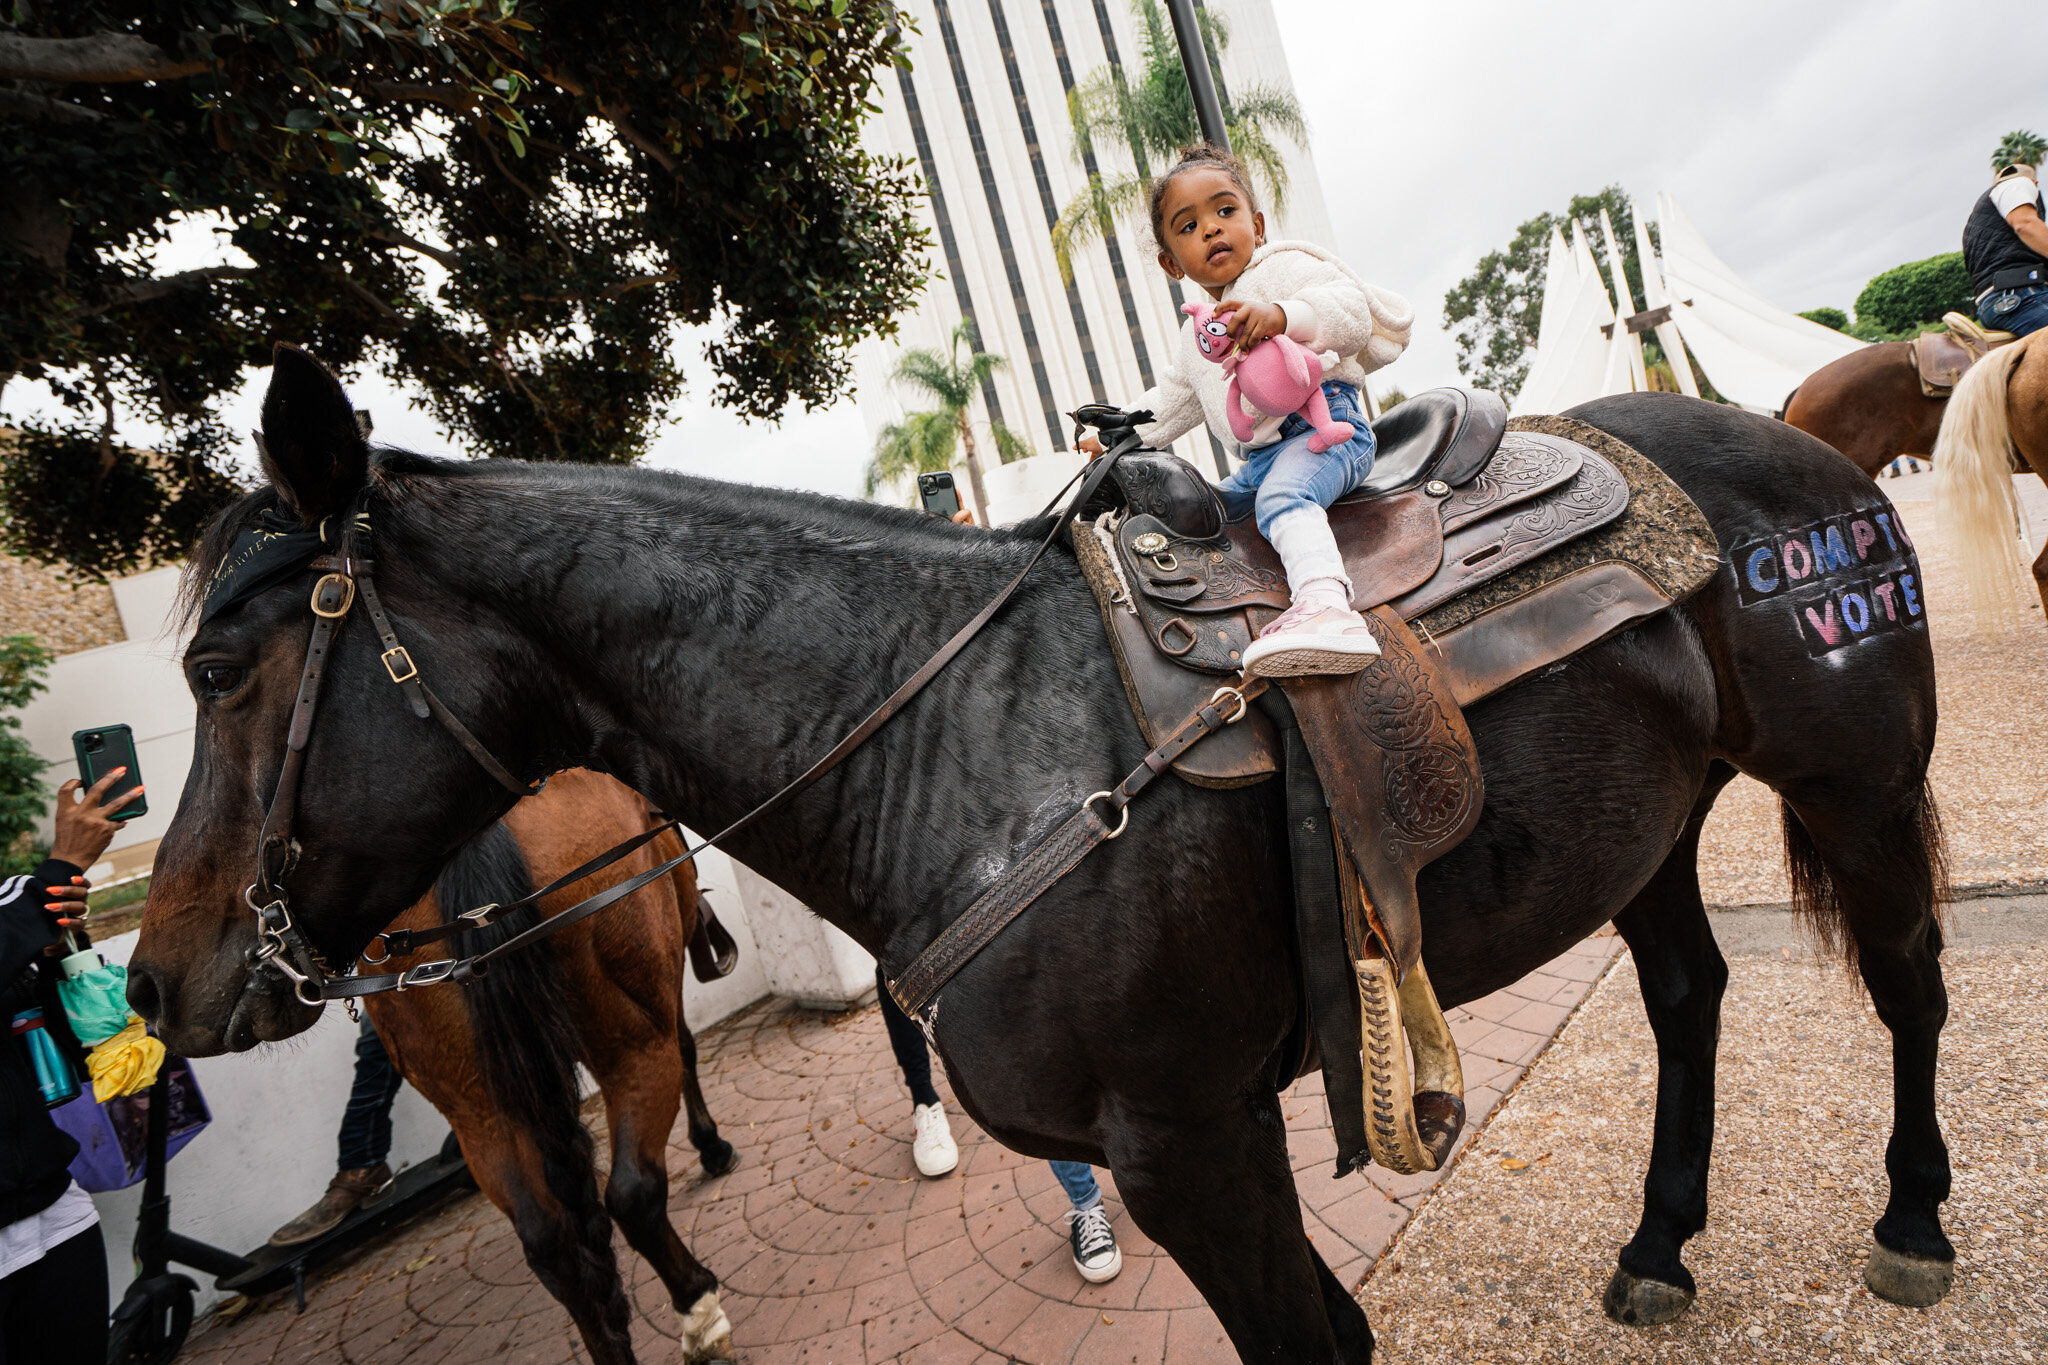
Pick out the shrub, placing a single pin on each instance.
(1828, 317)
(22, 798)
(1920, 291)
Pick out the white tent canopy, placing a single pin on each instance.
(1752, 351)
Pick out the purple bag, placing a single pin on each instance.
(113, 1138)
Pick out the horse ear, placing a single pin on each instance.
(313, 451)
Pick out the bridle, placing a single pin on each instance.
(347, 578)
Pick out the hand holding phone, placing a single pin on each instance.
(86, 826)
(937, 493)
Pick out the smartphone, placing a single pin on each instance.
(99, 753)
(940, 498)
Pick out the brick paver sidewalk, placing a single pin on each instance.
(829, 1246)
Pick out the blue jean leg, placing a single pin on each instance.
(1078, 1181)
(365, 1138)
(1287, 476)
(2025, 310)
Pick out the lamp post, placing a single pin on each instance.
(1194, 60)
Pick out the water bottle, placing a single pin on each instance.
(54, 1076)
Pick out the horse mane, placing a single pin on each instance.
(401, 476)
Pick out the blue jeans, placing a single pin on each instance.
(1078, 1181)
(1287, 476)
(365, 1138)
(2021, 311)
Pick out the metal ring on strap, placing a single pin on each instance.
(1243, 705)
(1111, 796)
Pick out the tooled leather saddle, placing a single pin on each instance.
(1463, 507)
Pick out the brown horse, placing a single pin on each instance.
(498, 1058)
(1999, 408)
(1869, 406)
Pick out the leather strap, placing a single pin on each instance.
(1028, 879)
(1331, 995)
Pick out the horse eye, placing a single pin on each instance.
(219, 680)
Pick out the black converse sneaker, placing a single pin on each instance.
(1095, 1253)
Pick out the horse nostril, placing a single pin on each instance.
(143, 996)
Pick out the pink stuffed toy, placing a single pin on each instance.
(1277, 377)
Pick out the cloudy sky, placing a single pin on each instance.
(1813, 144)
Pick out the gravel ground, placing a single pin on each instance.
(1989, 758)
(1509, 1264)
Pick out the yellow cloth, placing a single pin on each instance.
(125, 1063)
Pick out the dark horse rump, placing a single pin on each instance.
(1133, 1017)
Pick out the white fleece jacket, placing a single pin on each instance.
(1356, 327)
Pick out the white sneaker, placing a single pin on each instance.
(1313, 636)
(1095, 1250)
(933, 1149)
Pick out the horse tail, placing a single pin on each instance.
(1973, 491)
(527, 1047)
(1916, 854)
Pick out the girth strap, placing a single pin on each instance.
(1330, 993)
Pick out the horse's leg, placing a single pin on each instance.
(583, 1277)
(1217, 1193)
(641, 1080)
(714, 1151)
(1879, 869)
(1683, 976)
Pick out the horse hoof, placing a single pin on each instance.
(718, 1157)
(706, 1333)
(1909, 1280)
(1636, 1302)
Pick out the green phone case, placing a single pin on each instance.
(101, 750)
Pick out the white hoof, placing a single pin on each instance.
(706, 1333)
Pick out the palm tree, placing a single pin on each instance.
(1155, 118)
(2019, 148)
(924, 442)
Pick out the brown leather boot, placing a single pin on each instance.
(347, 1192)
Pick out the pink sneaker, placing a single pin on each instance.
(1312, 636)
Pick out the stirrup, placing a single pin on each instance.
(1413, 1114)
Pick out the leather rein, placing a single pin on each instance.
(347, 577)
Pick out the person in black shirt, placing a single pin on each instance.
(2005, 248)
(53, 1265)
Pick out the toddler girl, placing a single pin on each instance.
(1210, 231)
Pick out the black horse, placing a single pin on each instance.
(705, 642)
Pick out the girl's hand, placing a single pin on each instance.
(1089, 446)
(85, 827)
(1252, 323)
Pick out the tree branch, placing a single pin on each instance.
(451, 96)
(392, 237)
(103, 58)
(42, 106)
(633, 136)
(143, 291)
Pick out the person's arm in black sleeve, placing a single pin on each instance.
(84, 829)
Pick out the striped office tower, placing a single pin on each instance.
(983, 114)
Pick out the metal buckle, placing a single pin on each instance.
(412, 670)
(1243, 705)
(428, 973)
(348, 595)
(384, 939)
(480, 916)
(1105, 796)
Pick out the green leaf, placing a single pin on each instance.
(518, 142)
(304, 119)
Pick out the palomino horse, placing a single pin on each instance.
(1869, 406)
(498, 1059)
(706, 642)
(1999, 409)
